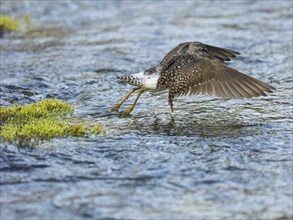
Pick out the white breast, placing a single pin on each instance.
(148, 81)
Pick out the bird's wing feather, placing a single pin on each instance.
(199, 49)
(221, 53)
(205, 76)
(175, 52)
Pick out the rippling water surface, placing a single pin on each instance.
(210, 159)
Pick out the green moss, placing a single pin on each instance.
(96, 130)
(44, 109)
(8, 23)
(31, 124)
(76, 130)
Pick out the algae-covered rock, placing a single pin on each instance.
(30, 124)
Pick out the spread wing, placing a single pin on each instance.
(212, 52)
(169, 58)
(205, 76)
(219, 53)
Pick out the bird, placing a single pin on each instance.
(194, 68)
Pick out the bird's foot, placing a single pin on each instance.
(127, 111)
(116, 107)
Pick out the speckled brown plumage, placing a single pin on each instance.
(193, 68)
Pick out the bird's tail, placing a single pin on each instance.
(131, 80)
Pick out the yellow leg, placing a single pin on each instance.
(130, 109)
(117, 106)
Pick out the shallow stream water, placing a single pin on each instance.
(210, 159)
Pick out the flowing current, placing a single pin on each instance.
(210, 159)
